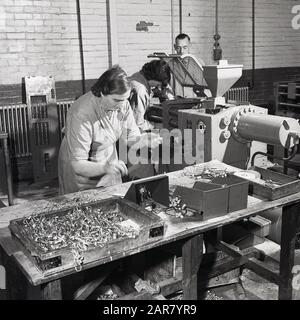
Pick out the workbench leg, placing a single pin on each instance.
(51, 290)
(290, 225)
(192, 252)
(8, 173)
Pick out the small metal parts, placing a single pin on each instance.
(80, 229)
(148, 286)
(271, 184)
(144, 194)
(108, 294)
(176, 207)
(205, 173)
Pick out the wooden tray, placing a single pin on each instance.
(151, 228)
(286, 185)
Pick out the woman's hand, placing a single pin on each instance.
(116, 167)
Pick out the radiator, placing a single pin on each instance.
(62, 109)
(14, 121)
(240, 94)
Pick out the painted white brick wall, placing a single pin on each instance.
(40, 37)
(133, 45)
(277, 44)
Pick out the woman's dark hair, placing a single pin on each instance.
(112, 81)
(157, 70)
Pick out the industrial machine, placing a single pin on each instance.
(287, 103)
(234, 131)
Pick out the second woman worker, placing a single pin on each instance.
(153, 74)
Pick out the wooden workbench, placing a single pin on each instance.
(190, 232)
(7, 164)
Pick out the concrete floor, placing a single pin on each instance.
(249, 287)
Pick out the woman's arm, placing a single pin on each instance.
(91, 169)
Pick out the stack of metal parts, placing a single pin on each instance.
(84, 233)
(79, 230)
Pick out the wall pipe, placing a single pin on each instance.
(180, 16)
(80, 45)
(217, 17)
(253, 45)
(112, 32)
(172, 26)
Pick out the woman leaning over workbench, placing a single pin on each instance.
(88, 156)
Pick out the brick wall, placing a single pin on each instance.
(277, 44)
(40, 37)
(133, 45)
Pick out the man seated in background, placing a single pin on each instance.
(182, 47)
(182, 44)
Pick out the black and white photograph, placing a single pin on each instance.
(149, 151)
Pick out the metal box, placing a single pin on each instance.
(149, 228)
(157, 187)
(210, 200)
(238, 191)
(273, 185)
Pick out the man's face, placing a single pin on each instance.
(182, 46)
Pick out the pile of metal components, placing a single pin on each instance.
(80, 229)
(205, 173)
(108, 294)
(179, 207)
(176, 207)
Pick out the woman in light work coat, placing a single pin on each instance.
(96, 121)
(153, 74)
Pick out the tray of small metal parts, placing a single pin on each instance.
(273, 185)
(86, 233)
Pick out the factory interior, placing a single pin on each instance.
(204, 204)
